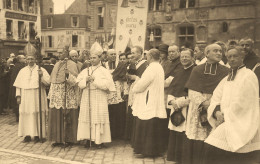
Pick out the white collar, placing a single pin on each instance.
(140, 63)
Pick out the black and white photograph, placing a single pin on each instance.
(129, 81)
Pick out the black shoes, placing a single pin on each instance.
(67, 144)
(36, 139)
(27, 139)
(88, 144)
(56, 144)
(93, 145)
(101, 146)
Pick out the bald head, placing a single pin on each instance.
(173, 52)
(213, 53)
(247, 44)
(12, 55)
(21, 58)
(210, 47)
(111, 55)
(74, 55)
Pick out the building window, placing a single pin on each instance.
(7, 4)
(9, 29)
(21, 30)
(32, 31)
(224, 27)
(187, 3)
(15, 4)
(201, 34)
(75, 21)
(75, 40)
(36, 7)
(20, 5)
(156, 32)
(100, 17)
(50, 41)
(51, 10)
(26, 4)
(31, 6)
(49, 54)
(186, 36)
(49, 22)
(155, 5)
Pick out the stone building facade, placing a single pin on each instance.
(103, 22)
(190, 22)
(70, 28)
(20, 22)
(47, 7)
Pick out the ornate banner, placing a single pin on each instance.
(131, 23)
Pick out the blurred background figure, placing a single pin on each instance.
(3, 87)
(199, 55)
(224, 50)
(19, 64)
(46, 65)
(85, 59)
(74, 56)
(251, 59)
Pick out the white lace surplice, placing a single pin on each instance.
(194, 130)
(57, 94)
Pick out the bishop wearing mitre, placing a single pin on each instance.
(27, 95)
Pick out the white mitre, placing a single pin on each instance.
(96, 49)
(111, 51)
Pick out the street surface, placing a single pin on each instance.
(14, 151)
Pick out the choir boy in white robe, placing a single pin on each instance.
(27, 95)
(96, 82)
(234, 115)
(149, 108)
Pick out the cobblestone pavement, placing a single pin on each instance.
(17, 158)
(12, 149)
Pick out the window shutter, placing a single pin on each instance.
(26, 5)
(52, 41)
(4, 4)
(46, 41)
(36, 7)
(79, 41)
(15, 4)
(42, 39)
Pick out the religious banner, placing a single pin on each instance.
(131, 24)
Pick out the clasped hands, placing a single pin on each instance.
(40, 73)
(131, 77)
(220, 117)
(90, 79)
(173, 103)
(18, 99)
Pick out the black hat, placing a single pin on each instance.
(46, 58)
(163, 48)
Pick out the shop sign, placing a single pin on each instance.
(20, 16)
